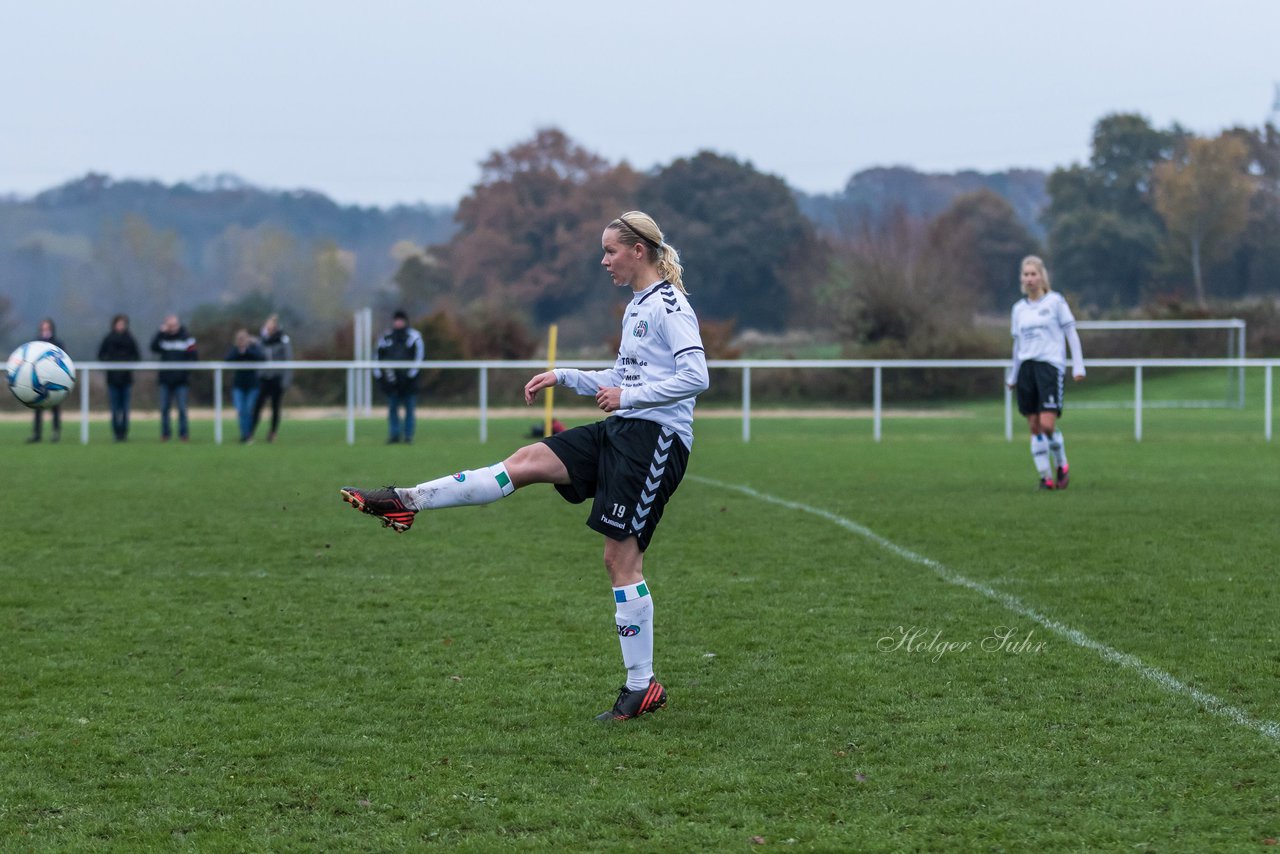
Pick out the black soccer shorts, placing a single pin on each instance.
(1040, 388)
(629, 466)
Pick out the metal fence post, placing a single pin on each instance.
(877, 395)
(746, 403)
(1266, 403)
(1137, 403)
(484, 404)
(1008, 412)
(217, 406)
(351, 406)
(84, 406)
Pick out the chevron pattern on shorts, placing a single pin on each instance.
(657, 467)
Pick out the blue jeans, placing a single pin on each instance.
(119, 396)
(245, 400)
(395, 401)
(169, 395)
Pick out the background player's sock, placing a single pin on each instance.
(1040, 455)
(479, 486)
(1058, 448)
(634, 614)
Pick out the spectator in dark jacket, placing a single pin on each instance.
(272, 382)
(173, 344)
(119, 346)
(47, 333)
(244, 386)
(400, 343)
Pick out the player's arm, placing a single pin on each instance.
(1068, 322)
(582, 382)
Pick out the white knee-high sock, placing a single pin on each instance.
(1058, 448)
(478, 486)
(1040, 454)
(634, 614)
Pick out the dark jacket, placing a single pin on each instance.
(399, 345)
(119, 347)
(277, 348)
(174, 347)
(245, 379)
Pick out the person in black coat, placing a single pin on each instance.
(272, 382)
(174, 344)
(400, 343)
(119, 345)
(47, 333)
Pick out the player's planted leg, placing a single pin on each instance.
(1058, 448)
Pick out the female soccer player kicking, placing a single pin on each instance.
(629, 464)
(1042, 325)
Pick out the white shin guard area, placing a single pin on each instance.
(1266, 728)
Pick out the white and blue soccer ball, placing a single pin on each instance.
(40, 375)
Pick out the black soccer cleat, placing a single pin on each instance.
(384, 503)
(1064, 477)
(1047, 483)
(633, 704)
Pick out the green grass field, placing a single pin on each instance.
(206, 650)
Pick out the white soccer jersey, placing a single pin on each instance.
(1041, 331)
(661, 365)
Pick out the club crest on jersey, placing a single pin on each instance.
(460, 476)
(641, 328)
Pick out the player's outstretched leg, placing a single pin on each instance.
(385, 503)
(396, 506)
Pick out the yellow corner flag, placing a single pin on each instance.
(549, 405)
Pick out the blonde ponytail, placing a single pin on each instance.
(638, 227)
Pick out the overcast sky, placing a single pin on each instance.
(375, 102)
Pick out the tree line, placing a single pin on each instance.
(896, 264)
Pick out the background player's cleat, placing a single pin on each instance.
(1047, 483)
(384, 503)
(1064, 477)
(633, 704)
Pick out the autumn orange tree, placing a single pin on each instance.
(530, 229)
(1203, 197)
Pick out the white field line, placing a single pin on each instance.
(1269, 729)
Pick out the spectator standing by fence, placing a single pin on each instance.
(119, 345)
(173, 344)
(48, 334)
(244, 385)
(272, 382)
(400, 343)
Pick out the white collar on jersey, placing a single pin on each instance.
(650, 289)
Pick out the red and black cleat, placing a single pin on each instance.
(633, 704)
(384, 503)
(1064, 477)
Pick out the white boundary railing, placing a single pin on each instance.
(354, 369)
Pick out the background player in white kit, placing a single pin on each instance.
(628, 464)
(1042, 326)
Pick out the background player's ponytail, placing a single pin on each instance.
(638, 227)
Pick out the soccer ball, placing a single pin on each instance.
(40, 375)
